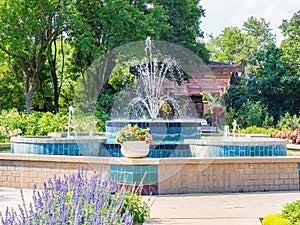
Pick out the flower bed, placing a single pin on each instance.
(293, 138)
(76, 199)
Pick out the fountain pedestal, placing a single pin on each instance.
(162, 131)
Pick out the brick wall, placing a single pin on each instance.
(24, 171)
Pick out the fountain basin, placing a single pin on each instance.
(47, 145)
(237, 147)
(99, 146)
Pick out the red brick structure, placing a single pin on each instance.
(213, 78)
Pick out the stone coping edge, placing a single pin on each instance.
(52, 140)
(146, 161)
(293, 147)
(247, 141)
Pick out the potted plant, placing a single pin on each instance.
(135, 141)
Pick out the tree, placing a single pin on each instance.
(100, 26)
(11, 81)
(269, 78)
(184, 20)
(259, 37)
(27, 31)
(236, 45)
(229, 46)
(290, 46)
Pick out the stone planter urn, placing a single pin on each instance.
(135, 149)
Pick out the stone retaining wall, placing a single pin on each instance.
(174, 175)
(230, 175)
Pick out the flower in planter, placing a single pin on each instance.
(135, 133)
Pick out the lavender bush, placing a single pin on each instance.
(75, 200)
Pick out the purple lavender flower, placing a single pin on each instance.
(74, 199)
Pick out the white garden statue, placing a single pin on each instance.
(226, 131)
(234, 125)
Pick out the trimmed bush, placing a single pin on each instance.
(274, 219)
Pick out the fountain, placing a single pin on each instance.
(151, 104)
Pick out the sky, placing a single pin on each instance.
(233, 13)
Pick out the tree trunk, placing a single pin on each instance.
(28, 71)
(28, 101)
(30, 92)
(55, 87)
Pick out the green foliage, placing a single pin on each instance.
(138, 208)
(11, 84)
(228, 47)
(288, 121)
(291, 45)
(239, 45)
(275, 219)
(52, 43)
(271, 73)
(34, 124)
(251, 114)
(27, 31)
(101, 118)
(291, 212)
(258, 130)
(183, 22)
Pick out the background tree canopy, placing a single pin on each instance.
(272, 79)
(49, 44)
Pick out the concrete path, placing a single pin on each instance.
(218, 209)
(11, 198)
(194, 209)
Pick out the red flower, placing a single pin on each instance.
(140, 137)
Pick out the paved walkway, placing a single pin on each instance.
(195, 209)
(218, 209)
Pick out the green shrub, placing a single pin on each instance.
(258, 130)
(289, 122)
(251, 114)
(274, 219)
(291, 212)
(138, 208)
(35, 124)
